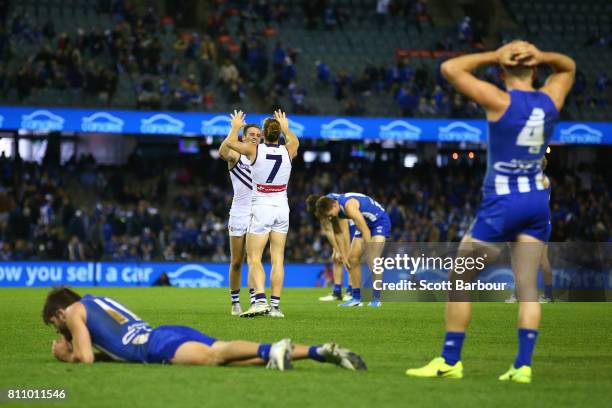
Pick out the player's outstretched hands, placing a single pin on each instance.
(238, 119)
(281, 117)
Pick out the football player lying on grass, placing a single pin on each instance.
(100, 322)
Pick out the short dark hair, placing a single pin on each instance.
(59, 298)
(311, 202)
(323, 205)
(248, 126)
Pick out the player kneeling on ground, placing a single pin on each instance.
(100, 322)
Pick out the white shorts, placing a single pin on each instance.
(266, 218)
(238, 225)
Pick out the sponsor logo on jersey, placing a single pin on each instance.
(162, 123)
(271, 188)
(400, 130)
(581, 133)
(459, 132)
(42, 120)
(517, 166)
(220, 125)
(195, 276)
(102, 122)
(341, 129)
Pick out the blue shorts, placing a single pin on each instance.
(382, 226)
(165, 340)
(501, 218)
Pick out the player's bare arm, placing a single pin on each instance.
(82, 350)
(334, 229)
(227, 154)
(344, 240)
(328, 231)
(291, 141)
(459, 72)
(246, 149)
(560, 82)
(351, 208)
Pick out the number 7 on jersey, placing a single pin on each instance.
(278, 159)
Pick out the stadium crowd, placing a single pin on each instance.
(87, 212)
(228, 63)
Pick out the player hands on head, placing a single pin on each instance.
(515, 207)
(270, 171)
(98, 322)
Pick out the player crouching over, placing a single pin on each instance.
(100, 322)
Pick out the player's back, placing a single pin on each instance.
(517, 143)
(369, 208)
(242, 184)
(115, 330)
(270, 174)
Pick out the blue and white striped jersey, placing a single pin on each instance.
(517, 142)
(371, 210)
(115, 330)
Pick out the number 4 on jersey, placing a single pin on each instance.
(532, 134)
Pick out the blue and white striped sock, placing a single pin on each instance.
(260, 298)
(313, 354)
(235, 294)
(274, 301)
(252, 295)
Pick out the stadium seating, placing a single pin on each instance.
(132, 212)
(568, 26)
(346, 47)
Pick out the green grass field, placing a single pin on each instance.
(572, 363)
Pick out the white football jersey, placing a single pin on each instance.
(270, 173)
(240, 174)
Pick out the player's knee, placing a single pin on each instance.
(277, 261)
(235, 265)
(215, 358)
(252, 261)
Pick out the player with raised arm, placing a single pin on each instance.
(240, 212)
(515, 206)
(338, 257)
(270, 172)
(99, 322)
(372, 228)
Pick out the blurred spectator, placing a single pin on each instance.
(466, 30)
(76, 250)
(148, 96)
(382, 11)
(228, 73)
(407, 100)
(323, 73)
